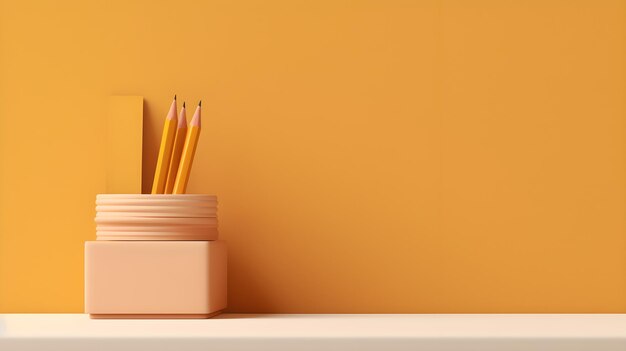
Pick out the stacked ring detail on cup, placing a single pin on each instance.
(156, 217)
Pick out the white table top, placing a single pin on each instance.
(310, 332)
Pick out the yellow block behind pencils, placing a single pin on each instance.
(165, 151)
(177, 152)
(189, 150)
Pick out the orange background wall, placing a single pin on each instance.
(369, 156)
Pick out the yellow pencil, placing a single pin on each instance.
(165, 151)
(179, 143)
(189, 150)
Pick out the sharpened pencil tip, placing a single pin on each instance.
(174, 96)
(200, 103)
(183, 104)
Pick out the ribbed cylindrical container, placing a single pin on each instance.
(155, 256)
(156, 217)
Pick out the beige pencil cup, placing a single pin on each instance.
(156, 256)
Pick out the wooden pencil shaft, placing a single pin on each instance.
(165, 151)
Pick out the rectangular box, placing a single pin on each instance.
(155, 279)
(124, 144)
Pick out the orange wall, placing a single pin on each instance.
(369, 156)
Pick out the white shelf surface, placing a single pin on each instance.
(277, 332)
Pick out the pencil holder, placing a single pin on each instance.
(155, 256)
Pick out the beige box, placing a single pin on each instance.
(155, 279)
